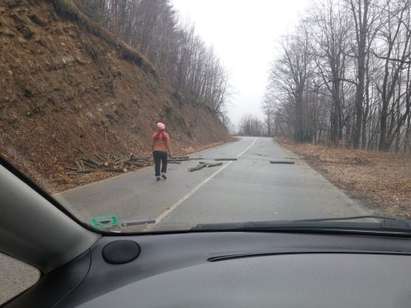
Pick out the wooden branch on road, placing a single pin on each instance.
(202, 165)
(282, 162)
(198, 167)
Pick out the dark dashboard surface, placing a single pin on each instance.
(237, 269)
(274, 281)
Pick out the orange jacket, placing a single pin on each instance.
(161, 141)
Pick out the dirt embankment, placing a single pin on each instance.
(67, 93)
(382, 180)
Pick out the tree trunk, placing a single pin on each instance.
(299, 117)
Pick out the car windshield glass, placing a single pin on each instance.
(166, 115)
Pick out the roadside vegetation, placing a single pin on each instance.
(339, 94)
(176, 51)
(343, 77)
(70, 9)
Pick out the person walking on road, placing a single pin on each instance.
(161, 151)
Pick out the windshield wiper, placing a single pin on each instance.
(375, 217)
(375, 222)
(383, 221)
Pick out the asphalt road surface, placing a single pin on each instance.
(248, 189)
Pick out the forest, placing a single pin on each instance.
(177, 52)
(343, 77)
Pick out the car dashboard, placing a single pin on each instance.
(231, 269)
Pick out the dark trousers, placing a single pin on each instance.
(160, 162)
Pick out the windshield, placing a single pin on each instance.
(164, 115)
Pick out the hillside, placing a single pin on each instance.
(67, 91)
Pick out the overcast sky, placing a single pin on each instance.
(244, 35)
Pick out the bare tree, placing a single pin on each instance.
(331, 30)
(251, 126)
(177, 52)
(290, 74)
(364, 17)
(396, 38)
(350, 84)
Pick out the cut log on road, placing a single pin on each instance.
(202, 165)
(282, 162)
(180, 158)
(198, 167)
(214, 165)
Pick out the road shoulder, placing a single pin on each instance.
(381, 181)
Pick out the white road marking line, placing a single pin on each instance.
(249, 147)
(194, 190)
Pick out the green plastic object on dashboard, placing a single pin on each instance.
(105, 222)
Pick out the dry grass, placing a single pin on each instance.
(382, 180)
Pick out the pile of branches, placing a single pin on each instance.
(119, 163)
(109, 163)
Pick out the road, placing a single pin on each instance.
(249, 189)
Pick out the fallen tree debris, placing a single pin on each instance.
(202, 165)
(120, 163)
(181, 158)
(108, 163)
(214, 165)
(185, 158)
(282, 162)
(196, 168)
